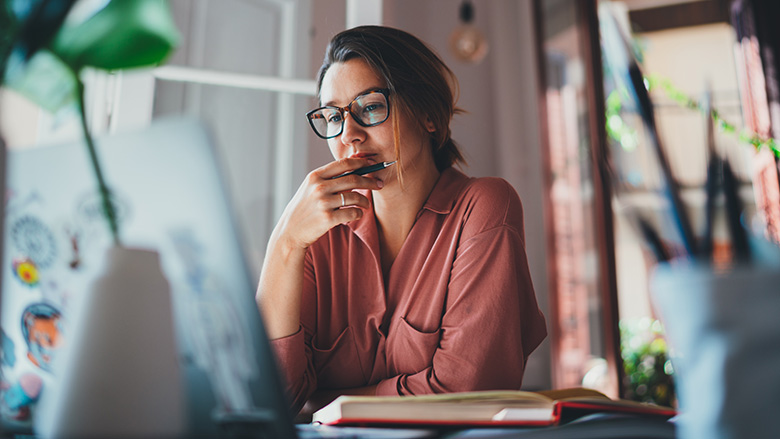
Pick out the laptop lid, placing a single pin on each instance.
(167, 190)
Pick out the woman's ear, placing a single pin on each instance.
(429, 126)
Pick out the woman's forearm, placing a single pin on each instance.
(319, 204)
(279, 290)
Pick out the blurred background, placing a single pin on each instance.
(541, 112)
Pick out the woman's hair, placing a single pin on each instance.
(420, 83)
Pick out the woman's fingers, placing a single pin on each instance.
(322, 203)
(322, 178)
(349, 199)
(348, 183)
(334, 169)
(345, 215)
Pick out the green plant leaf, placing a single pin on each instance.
(122, 35)
(45, 80)
(7, 33)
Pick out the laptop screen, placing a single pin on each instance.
(169, 196)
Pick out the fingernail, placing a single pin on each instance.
(380, 183)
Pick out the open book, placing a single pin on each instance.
(502, 407)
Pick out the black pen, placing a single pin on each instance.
(366, 170)
(672, 187)
(652, 239)
(620, 55)
(713, 182)
(739, 237)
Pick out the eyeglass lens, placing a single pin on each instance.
(368, 110)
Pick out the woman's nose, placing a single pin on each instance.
(352, 133)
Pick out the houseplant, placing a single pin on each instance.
(52, 48)
(45, 45)
(648, 370)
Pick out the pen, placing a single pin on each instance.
(739, 238)
(711, 189)
(366, 170)
(672, 187)
(652, 239)
(713, 181)
(620, 56)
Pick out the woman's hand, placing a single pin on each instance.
(320, 204)
(323, 202)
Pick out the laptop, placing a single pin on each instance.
(169, 196)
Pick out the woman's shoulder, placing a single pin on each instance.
(489, 202)
(490, 193)
(492, 187)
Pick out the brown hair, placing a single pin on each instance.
(420, 83)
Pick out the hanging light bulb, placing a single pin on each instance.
(467, 42)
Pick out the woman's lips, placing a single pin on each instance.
(364, 155)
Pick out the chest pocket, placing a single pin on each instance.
(338, 366)
(409, 350)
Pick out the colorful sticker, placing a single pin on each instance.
(26, 271)
(9, 355)
(35, 240)
(90, 208)
(19, 396)
(73, 236)
(42, 331)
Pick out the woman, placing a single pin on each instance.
(411, 279)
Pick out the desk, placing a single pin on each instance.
(599, 426)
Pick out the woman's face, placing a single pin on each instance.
(342, 83)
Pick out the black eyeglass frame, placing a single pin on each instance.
(348, 108)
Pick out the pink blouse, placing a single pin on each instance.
(457, 311)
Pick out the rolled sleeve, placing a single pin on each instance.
(389, 387)
(295, 368)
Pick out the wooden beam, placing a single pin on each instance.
(588, 23)
(680, 15)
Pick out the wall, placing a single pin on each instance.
(328, 19)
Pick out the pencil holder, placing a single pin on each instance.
(724, 333)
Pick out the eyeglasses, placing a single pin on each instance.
(368, 110)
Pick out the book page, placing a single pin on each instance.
(574, 392)
(512, 396)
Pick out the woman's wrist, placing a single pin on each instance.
(285, 248)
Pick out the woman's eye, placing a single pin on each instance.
(373, 108)
(335, 118)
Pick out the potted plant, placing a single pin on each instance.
(48, 49)
(45, 45)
